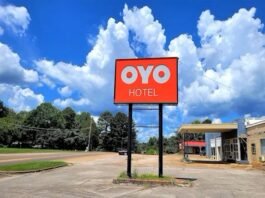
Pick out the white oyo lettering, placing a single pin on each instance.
(129, 79)
(161, 74)
(145, 73)
(165, 74)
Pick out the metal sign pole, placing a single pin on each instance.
(184, 156)
(160, 171)
(129, 145)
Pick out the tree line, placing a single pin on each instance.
(48, 127)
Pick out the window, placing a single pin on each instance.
(253, 149)
(262, 146)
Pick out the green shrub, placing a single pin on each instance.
(123, 174)
(135, 174)
(151, 151)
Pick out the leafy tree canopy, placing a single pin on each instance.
(69, 117)
(3, 110)
(46, 116)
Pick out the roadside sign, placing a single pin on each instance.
(146, 81)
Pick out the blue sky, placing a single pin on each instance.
(63, 52)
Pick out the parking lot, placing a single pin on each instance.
(91, 175)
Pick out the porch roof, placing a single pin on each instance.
(207, 128)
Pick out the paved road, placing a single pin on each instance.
(93, 178)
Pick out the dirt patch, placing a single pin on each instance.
(138, 160)
(175, 160)
(260, 166)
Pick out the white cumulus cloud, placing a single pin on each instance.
(146, 29)
(15, 18)
(11, 71)
(232, 55)
(94, 79)
(69, 102)
(217, 121)
(65, 91)
(224, 73)
(19, 98)
(189, 64)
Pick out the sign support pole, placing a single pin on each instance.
(129, 144)
(160, 171)
(184, 156)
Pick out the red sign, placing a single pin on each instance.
(146, 80)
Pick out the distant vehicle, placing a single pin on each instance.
(122, 152)
(37, 146)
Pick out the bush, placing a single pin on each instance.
(123, 174)
(170, 149)
(151, 151)
(135, 173)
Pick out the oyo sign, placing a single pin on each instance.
(147, 80)
(161, 74)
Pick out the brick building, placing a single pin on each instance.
(256, 142)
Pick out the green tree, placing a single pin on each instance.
(3, 110)
(83, 123)
(207, 121)
(23, 135)
(104, 122)
(114, 131)
(69, 117)
(44, 116)
(151, 147)
(10, 128)
(196, 122)
(73, 140)
(171, 145)
(119, 131)
(9, 132)
(140, 147)
(152, 142)
(198, 136)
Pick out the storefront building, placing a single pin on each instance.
(256, 142)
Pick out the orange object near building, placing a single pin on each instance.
(146, 80)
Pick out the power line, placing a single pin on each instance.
(217, 81)
(25, 127)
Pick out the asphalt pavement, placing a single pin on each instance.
(93, 177)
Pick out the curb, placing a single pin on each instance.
(32, 171)
(176, 182)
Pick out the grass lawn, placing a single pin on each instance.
(26, 150)
(151, 176)
(33, 165)
(151, 179)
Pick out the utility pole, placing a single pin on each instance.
(89, 135)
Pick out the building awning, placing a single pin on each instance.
(195, 143)
(207, 128)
